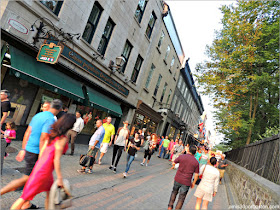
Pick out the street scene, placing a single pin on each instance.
(140, 104)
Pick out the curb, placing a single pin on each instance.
(231, 195)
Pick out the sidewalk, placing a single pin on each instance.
(144, 188)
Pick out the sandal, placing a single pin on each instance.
(33, 206)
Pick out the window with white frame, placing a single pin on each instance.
(172, 62)
(150, 76)
(161, 39)
(168, 97)
(173, 103)
(163, 92)
(157, 85)
(167, 52)
(140, 10)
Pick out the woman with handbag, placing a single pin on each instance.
(149, 147)
(208, 185)
(177, 150)
(41, 178)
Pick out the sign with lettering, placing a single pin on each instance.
(49, 53)
(87, 66)
(18, 26)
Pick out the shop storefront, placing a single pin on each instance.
(31, 83)
(145, 118)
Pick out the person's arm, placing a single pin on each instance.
(81, 126)
(4, 117)
(21, 153)
(43, 148)
(43, 139)
(112, 136)
(59, 146)
(96, 142)
(194, 180)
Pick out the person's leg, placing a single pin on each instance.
(47, 200)
(73, 138)
(149, 158)
(103, 152)
(13, 185)
(204, 204)
(92, 154)
(18, 204)
(161, 151)
(131, 158)
(198, 203)
(119, 154)
(164, 152)
(145, 156)
(115, 149)
(173, 195)
(6, 154)
(182, 196)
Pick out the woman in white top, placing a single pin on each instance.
(208, 185)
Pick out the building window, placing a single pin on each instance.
(178, 107)
(179, 82)
(172, 62)
(183, 87)
(140, 10)
(161, 39)
(163, 92)
(168, 97)
(106, 36)
(174, 103)
(92, 22)
(150, 76)
(136, 69)
(185, 93)
(126, 53)
(151, 24)
(167, 52)
(157, 85)
(54, 6)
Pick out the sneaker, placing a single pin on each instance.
(136, 155)
(89, 171)
(115, 170)
(82, 171)
(142, 164)
(147, 164)
(111, 167)
(99, 162)
(124, 175)
(158, 156)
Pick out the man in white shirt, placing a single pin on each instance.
(77, 128)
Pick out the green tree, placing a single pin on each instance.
(242, 76)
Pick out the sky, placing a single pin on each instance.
(196, 22)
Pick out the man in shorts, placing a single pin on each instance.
(108, 138)
(33, 140)
(222, 167)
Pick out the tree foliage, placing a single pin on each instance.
(242, 76)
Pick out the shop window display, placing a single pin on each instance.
(142, 121)
(171, 132)
(22, 95)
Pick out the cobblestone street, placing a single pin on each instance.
(144, 188)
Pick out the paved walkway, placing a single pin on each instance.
(144, 188)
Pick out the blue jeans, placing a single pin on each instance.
(163, 150)
(183, 190)
(130, 159)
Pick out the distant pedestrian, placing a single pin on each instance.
(119, 145)
(94, 145)
(149, 147)
(164, 146)
(203, 160)
(198, 154)
(9, 134)
(160, 145)
(177, 150)
(77, 128)
(222, 164)
(188, 166)
(108, 138)
(62, 112)
(34, 138)
(41, 178)
(5, 107)
(170, 148)
(133, 145)
(208, 185)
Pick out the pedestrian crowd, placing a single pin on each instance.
(50, 131)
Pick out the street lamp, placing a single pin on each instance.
(119, 63)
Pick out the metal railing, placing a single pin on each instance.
(261, 157)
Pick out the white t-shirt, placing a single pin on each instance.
(210, 179)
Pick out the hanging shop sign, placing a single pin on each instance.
(18, 26)
(49, 53)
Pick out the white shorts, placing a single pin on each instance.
(104, 147)
(199, 193)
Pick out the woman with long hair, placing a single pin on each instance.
(41, 178)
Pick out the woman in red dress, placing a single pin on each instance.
(41, 178)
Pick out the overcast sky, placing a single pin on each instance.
(196, 22)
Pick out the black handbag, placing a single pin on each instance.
(83, 160)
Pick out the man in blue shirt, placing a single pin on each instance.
(94, 146)
(34, 138)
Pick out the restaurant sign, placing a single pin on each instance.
(49, 53)
(87, 66)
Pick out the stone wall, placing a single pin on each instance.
(252, 189)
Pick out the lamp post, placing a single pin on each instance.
(119, 63)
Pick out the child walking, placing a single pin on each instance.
(9, 134)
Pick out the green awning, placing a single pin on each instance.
(104, 103)
(28, 68)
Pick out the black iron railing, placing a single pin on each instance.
(261, 157)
